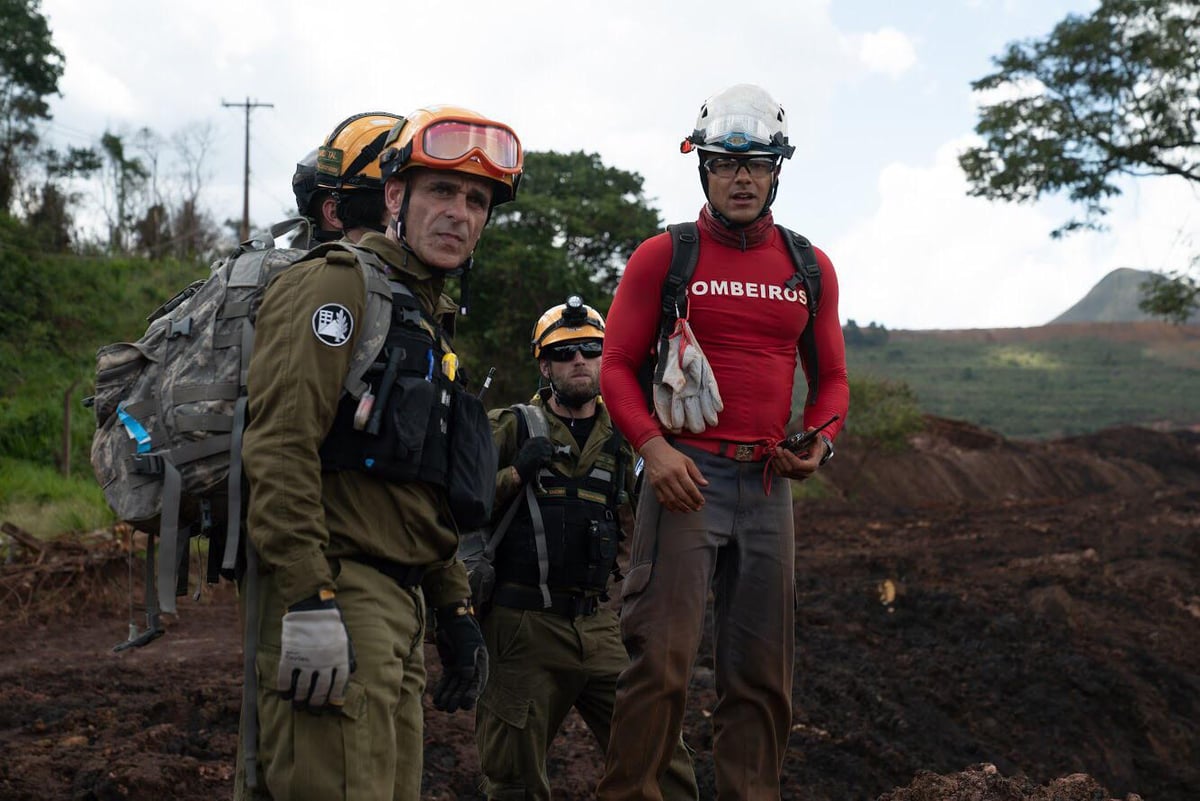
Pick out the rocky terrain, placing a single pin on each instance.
(978, 620)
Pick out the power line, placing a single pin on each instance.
(245, 231)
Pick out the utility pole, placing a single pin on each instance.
(245, 230)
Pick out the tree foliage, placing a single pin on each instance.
(885, 414)
(572, 228)
(1114, 94)
(1173, 296)
(30, 67)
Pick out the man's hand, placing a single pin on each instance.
(464, 659)
(673, 475)
(533, 455)
(316, 656)
(799, 466)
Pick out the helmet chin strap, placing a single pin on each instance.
(763, 212)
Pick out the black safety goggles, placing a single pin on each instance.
(565, 353)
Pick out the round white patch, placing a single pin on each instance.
(333, 324)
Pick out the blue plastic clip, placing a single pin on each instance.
(137, 432)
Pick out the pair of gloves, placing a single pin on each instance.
(687, 397)
(317, 657)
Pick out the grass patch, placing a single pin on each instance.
(45, 503)
(1044, 388)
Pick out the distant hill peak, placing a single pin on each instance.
(1113, 300)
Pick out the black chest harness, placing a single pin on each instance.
(564, 539)
(416, 422)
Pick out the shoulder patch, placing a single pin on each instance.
(341, 258)
(333, 324)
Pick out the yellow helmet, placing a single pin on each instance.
(456, 138)
(566, 322)
(349, 158)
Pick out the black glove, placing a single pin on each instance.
(536, 452)
(464, 659)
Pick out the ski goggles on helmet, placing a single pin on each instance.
(449, 143)
(566, 352)
(738, 133)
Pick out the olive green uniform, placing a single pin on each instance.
(312, 531)
(543, 663)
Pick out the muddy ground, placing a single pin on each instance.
(978, 620)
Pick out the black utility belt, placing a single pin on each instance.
(568, 604)
(403, 575)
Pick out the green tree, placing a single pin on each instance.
(124, 175)
(884, 415)
(572, 228)
(30, 67)
(48, 204)
(1110, 95)
(1172, 296)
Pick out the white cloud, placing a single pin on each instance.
(887, 51)
(931, 257)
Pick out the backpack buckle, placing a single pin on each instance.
(146, 464)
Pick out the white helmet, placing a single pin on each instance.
(742, 119)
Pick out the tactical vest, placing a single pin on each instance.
(579, 517)
(416, 422)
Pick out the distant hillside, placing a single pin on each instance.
(1044, 382)
(1113, 300)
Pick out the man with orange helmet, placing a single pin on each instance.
(552, 644)
(362, 471)
(711, 522)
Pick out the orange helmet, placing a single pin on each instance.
(455, 138)
(349, 158)
(566, 322)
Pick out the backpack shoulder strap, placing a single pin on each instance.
(535, 419)
(808, 272)
(536, 426)
(685, 252)
(379, 310)
(808, 276)
(616, 447)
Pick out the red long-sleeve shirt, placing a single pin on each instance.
(747, 324)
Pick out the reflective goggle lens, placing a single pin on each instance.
(737, 132)
(565, 353)
(454, 140)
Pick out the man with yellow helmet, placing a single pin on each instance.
(358, 487)
(552, 645)
(338, 186)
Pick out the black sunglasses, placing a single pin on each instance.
(565, 353)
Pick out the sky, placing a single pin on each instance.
(877, 95)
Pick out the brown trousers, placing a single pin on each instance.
(742, 546)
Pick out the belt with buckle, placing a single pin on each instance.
(569, 605)
(738, 451)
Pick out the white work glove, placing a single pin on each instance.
(316, 657)
(688, 396)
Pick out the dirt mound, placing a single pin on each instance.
(952, 462)
(974, 602)
(984, 783)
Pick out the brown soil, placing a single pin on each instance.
(978, 620)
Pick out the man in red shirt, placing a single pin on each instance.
(712, 520)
